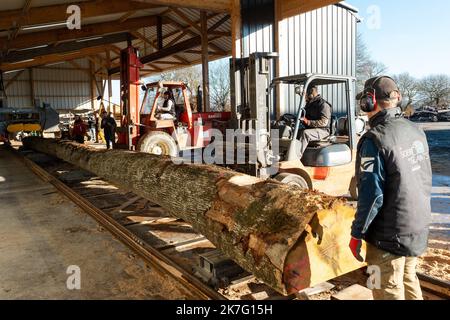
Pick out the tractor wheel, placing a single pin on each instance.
(353, 189)
(158, 143)
(292, 179)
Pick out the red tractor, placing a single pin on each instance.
(141, 130)
(188, 130)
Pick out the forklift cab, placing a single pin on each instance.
(332, 151)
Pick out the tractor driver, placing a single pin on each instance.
(167, 110)
(317, 119)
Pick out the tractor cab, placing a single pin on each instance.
(334, 150)
(184, 131)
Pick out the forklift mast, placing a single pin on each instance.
(251, 104)
(129, 90)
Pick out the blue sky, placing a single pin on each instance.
(413, 35)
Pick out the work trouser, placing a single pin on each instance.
(397, 279)
(109, 141)
(310, 135)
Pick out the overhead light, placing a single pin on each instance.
(89, 39)
(44, 26)
(23, 61)
(68, 54)
(32, 48)
(12, 71)
(54, 64)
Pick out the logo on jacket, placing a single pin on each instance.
(415, 155)
(367, 165)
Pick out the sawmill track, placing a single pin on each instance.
(170, 245)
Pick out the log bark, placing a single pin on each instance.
(288, 238)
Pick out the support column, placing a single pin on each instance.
(159, 32)
(205, 62)
(92, 84)
(32, 89)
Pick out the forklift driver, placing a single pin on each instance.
(316, 120)
(167, 110)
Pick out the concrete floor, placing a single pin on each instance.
(42, 234)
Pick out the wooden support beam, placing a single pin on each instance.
(170, 51)
(38, 61)
(34, 39)
(126, 16)
(159, 33)
(205, 62)
(32, 87)
(289, 8)
(11, 81)
(186, 19)
(57, 13)
(64, 47)
(210, 5)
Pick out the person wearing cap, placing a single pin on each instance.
(393, 172)
(316, 121)
(167, 110)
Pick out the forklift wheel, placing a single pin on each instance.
(159, 143)
(292, 179)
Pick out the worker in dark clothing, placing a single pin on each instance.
(79, 130)
(394, 175)
(317, 119)
(109, 129)
(167, 110)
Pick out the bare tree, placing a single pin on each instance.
(366, 67)
(409, 87)
(220, 85)
(436, 89)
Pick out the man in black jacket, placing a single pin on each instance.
(393, 173)
(317, 119)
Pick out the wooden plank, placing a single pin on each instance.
(322, 287)
(291, 8)
(211, 5)
(64, 48)
(354, 292)
(34, 39)
(16, 76)
(57, 13)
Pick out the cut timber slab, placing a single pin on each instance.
(354, 292)
(322, 287)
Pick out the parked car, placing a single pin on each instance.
(425, 116)
(444, 116)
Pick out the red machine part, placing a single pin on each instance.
(129, 89)
(203, 123)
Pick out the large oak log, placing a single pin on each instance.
(289, 238)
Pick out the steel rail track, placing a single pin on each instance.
(150, 255)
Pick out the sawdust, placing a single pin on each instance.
(436, 262)
(142, 282)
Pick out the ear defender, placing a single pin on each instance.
(369, 102)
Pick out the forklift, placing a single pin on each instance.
(327, 165)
